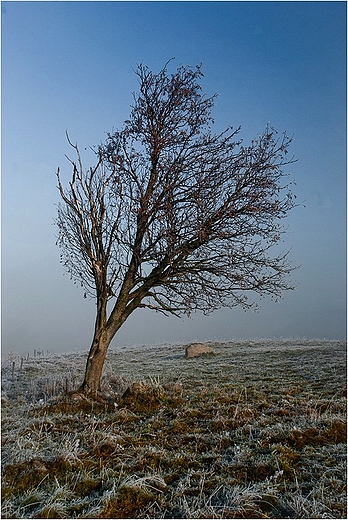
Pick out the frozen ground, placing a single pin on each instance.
(256, 431)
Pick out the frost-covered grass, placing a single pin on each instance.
(256, 431)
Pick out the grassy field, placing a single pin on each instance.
(256, 431)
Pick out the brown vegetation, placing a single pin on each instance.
(258, 431)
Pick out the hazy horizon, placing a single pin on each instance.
(70, 65)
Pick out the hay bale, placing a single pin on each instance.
(198, 349)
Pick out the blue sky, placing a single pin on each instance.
(69, 65)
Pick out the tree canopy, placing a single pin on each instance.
(172, 216)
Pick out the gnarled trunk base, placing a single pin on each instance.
(94, 367)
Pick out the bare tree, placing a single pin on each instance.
(173, 217)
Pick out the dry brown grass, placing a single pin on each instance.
(257, 431)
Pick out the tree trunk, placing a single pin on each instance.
(95, 363)
(103, 334)
(104, 331)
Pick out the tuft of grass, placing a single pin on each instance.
(257, 431)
